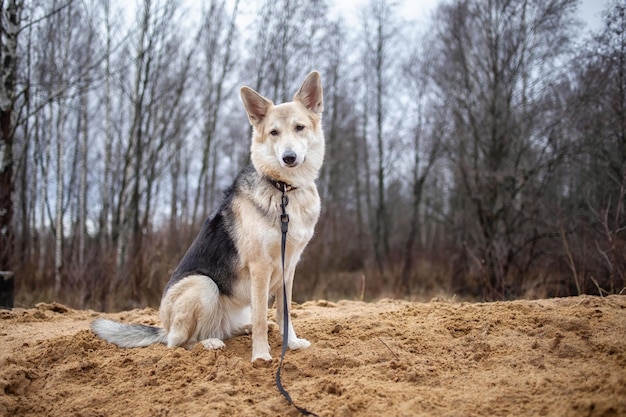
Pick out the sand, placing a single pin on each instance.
(556, 357)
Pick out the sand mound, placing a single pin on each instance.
(563, 357)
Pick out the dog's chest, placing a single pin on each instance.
(303, 215)
(261, 220)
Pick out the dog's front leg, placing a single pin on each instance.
(293, 341)
(260, 281)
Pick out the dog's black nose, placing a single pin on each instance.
(289, 157)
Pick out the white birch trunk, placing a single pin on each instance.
(44, 210)
(108, 138)
(58, 223)
(82, 204)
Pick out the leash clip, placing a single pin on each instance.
(284, 222)
(284, 217)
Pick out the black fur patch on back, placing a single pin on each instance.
(213, 252)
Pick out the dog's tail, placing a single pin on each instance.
(128, 335)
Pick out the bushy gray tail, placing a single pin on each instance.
(128, 335)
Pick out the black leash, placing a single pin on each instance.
(284, 225)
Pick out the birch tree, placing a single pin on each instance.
(9, 30)
(104, 218)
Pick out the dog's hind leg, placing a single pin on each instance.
(240, 321)
(191, 313)
(177, 336)
(235, 321)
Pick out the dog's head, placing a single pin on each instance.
(287, 140)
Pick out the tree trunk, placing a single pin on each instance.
(104, 231)
(82, 205)
(58, 224)
(9, 29)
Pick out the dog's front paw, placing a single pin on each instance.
(261, 359)
(213, 343)
(261, 363)
(299, 344)
(261, 354)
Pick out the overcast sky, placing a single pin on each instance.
(419, 10)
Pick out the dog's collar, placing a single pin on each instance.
(281, 186)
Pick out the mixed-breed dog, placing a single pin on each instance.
(221, 287)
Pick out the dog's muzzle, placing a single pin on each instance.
(290, 158)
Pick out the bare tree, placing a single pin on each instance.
(9, 30)
(596, 97)
(339, 248)
(379, 32)
(496, 61)
(104, 220)
(426, 151)
(62, 55)
(148, 135)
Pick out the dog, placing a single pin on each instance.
(222, 286)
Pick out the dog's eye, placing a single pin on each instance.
(274, 132)
(299, 128)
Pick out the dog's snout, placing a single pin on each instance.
(289, 157)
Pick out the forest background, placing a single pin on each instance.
(480, 152)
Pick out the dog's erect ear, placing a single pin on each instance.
(310, 93)
(256, 105)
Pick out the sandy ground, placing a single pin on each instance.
(557, 357)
